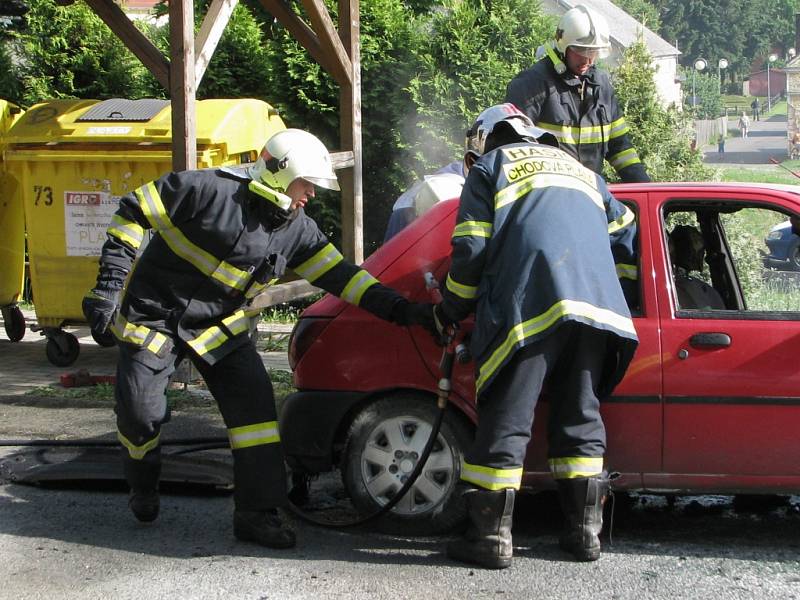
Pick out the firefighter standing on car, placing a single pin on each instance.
(220, 237)
(566, 95)
(536, 251)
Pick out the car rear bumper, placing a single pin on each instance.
(309, 424)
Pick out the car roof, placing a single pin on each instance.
(719, 186)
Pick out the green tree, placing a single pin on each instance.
(68, 52)
(469, 53)
(662, 136)
(643, 11)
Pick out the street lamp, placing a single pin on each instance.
(771, 59)
(722, 64)
(699, 65)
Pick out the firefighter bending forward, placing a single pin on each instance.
(220, 237)
(536, 249)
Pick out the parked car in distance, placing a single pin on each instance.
(710, 403)
(784, 248)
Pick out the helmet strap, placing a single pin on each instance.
(274, 197)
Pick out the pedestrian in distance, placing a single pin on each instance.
(744, 124)
(755, 105)
(536, 251)
(565, 94)
(721, 143)
(221, 236)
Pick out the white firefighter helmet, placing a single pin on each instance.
(290, 154)
(585, 31)
(436, 188)
(499, 113)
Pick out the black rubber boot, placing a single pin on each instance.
(582, 501)
(487, 541)
(142, 476)
(263, 527)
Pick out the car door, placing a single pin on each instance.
(632, 415)
(731, 376)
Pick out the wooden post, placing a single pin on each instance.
(182, 84)
(350, 135)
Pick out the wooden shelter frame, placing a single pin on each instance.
(336, 50)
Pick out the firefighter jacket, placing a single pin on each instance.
(539, 241)
(581, 112)
(215, 245)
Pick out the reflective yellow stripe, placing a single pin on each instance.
(137, 334)
(237, 323)
(468, 292)
(129, 232)
(618, 128)
(254, 435)
(206, 263)
(575, 135)
(358, 284)
(545, 320)
(627, 272)
(473, 228)
(625, 158)
(622, 221)
(491, 479)
(208, 340)
(544, 180)
(213, 337)
(319, 264)
(138, 452)
(576, 466)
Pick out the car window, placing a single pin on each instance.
(732, 258)
(765, 253)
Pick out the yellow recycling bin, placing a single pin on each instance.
(12, 240)
(74, 159)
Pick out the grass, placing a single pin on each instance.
(753, 175)
(102, 394)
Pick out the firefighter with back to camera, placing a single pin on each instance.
(220, 237)
(537, 249)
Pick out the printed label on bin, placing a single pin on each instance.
(86, 218)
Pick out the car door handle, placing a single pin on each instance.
(710, 340)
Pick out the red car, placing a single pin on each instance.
(710, 403)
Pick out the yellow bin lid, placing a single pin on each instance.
(238, 125)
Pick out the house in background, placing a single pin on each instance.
(625, 31)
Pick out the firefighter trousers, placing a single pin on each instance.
(569, 362)
(243, 391)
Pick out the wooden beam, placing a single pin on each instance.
(342, 160)
(302, 33)
(214, 23)
(331, 43)
(151, 57)
(350, 135)
(182, 85)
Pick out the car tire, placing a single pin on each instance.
(382, 442)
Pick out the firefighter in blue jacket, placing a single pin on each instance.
(536, 251)
(220, 237)
(566, 95)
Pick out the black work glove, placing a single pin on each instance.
(99, 307)
(413, 313)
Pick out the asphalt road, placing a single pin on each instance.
(83, 544)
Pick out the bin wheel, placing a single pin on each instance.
(62, 349)
(14, 322)
(105, 339)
